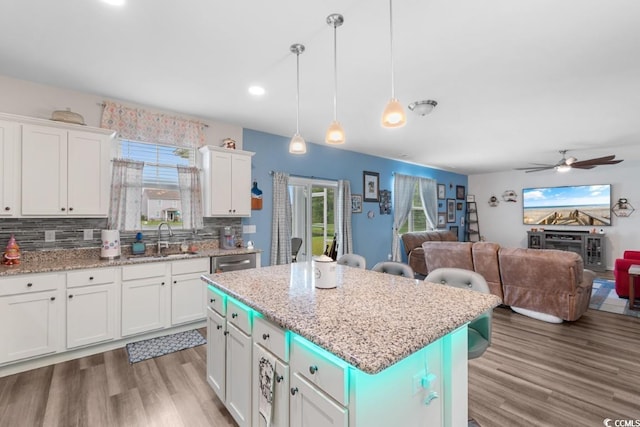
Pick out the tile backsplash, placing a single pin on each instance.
(69, 232)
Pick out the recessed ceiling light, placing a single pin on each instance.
(114, 2)
(256, 90)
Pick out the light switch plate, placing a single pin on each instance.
(88, 234)
(50, 235)
(247, 229)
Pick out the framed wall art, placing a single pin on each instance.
(385, 202)
(459, 206)
(442, 190)
(442, 220)
(454, 229)
(371, 186)
(451, 210)
(356, 203)
(460, 192)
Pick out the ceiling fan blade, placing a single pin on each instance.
(583, 166)
(538, 169)
(596, 161)
(536, 166)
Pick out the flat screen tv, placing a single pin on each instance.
(580, 205)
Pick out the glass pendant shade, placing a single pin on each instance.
(335, 133)
(297, 145)
(393, 115)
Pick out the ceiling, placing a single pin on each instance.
(515, 80)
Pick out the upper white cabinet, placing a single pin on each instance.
(227, 181)
(8, 182)
(64, 172)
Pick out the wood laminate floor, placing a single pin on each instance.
(535, 374)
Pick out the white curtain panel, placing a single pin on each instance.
(190, 197)
(429, 196)
(126, 195)
(403, 188)
(343, 218)
(281, 220)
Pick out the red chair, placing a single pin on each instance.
(621, 271)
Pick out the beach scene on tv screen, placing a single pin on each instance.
(573, 205)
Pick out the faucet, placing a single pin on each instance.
(161, 243)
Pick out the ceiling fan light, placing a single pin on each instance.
(297, 145)
(393, 115)
(563, 168)
(423, 107)
(335, 134)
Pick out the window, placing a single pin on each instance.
(417, 220)
(160, 189)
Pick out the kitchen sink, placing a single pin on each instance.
(156, 257)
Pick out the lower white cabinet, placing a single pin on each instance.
(238, 372)
(31, 316)
(310, 407)
(188, 291)
(91, 306)
(145, 301)
(216, 352)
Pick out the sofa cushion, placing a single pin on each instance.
(485, 262)
(413, 246)
(447, 255)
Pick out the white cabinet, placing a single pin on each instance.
(64, 172)
(312, 408)
(188, 291)
(91, 306)
(145, 298)
(31, 313)
(271, 342)
(227, 181)
(216, 352)
(8, 166)
(238, 373)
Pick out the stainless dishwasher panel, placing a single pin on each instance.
(232, 262)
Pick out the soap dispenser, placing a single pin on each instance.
(138, 247)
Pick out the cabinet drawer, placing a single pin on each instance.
(31, 283)
(239, 316)
(144, 271)
(197, 265)
(271, 337)
(216, 301)
(91, 277)
(326, 371)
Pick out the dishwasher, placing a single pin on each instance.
(220, 264)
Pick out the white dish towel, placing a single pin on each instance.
(267, 371)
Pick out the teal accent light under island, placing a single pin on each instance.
(377, 350)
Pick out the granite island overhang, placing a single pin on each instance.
(370, 320)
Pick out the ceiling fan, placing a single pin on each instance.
(566, 164)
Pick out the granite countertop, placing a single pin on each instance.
(74, 259)
(371, 320)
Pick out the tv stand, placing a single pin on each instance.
(590, 246)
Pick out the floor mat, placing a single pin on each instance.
(604, 298)
(154, 347)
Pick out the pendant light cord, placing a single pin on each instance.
(298, 93)
(335, 72)
(393, 90)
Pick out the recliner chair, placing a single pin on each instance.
(479, 328)
(621, 271)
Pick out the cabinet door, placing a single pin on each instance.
(28, 325)
(238, 370)
(280, 409)
(216, 352)
(88, 174)
(144, 305)
(310, 407)
(44, 170)
(188, 299)
(220, 185)
(241, 185)
(8, 181)
(91, 315)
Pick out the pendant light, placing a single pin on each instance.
(393, 115)
(335, 133)
(297, 144)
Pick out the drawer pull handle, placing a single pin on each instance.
(234, 315)
(265, 336)
(294, 390)
(432, 396)
(212, 300)
(90, 277)
(313, 369)
(29, 285)
(53, 298)
(175, 281)
(63, 209)
(226, 332)
(70, 296)
(70, 209)
(218, 326)
(279, 378)
(7, 208)
(162, 283)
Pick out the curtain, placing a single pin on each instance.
(343, 218)
(281, 220)
(126, 195)
(403, 188)
(190, 197)
(429, 197)
(141, 125)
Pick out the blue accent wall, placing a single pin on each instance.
(371, 237)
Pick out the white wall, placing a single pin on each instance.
(36, 100)
(503, 224)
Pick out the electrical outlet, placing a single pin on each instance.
(247, 229)
(88, 234)
(50, 235)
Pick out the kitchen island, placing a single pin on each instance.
(377, 350)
